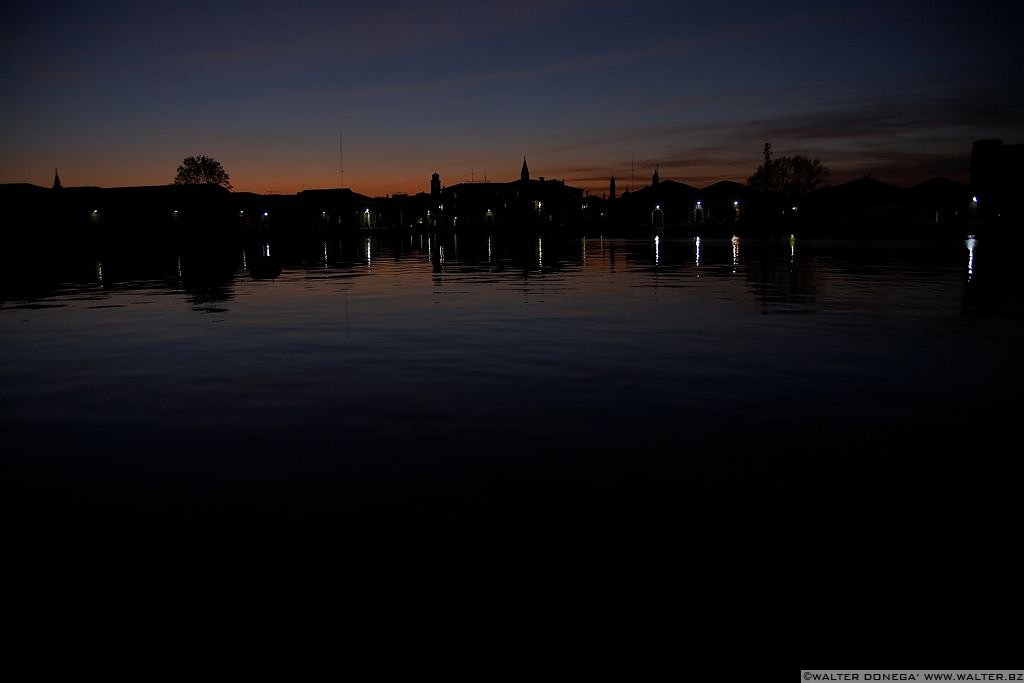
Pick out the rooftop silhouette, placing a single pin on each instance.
(865, 203)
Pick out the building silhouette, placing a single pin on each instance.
(525, 202)
(997, 173)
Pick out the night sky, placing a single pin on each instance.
(118, 93)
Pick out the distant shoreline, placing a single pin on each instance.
(863, 208)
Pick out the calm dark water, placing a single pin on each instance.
(478, 392)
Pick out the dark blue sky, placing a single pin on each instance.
(118, 93)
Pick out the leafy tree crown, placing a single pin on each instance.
(792, 177)
(200, 170)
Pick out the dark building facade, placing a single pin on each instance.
(338, 209)
(525, 202)
(997, 176)
(672, 203)
(939, 201)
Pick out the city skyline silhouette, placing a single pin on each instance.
(116, 96)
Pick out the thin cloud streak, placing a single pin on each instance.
(569, 66)
(852, 137)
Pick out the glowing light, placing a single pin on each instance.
(735, 252)
(266, 249)
(488, 248)
(971, 243)
(441, 254)
(266, 213)
(697, 242)
(657, 207)
(974, 200)
(657, 249)
(698, 204)
(792, 246)
(99, 271)
(368, 259)
(367, 212)
(794, 208)
(540, 252)
(736, 203)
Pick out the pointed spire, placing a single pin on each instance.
(56, 180)
(524, 175)
(655, 179)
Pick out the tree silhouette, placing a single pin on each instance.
(200, 170)
(792, 178)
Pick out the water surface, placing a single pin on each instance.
(490, 392)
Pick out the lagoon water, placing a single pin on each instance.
(494, 393)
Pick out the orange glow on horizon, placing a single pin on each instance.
(380, 181)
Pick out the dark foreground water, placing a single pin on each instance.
(505, 394)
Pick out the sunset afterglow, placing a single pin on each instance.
(117, 95)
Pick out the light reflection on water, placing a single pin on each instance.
(565, 359)
(594, 298)
(971, 242)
